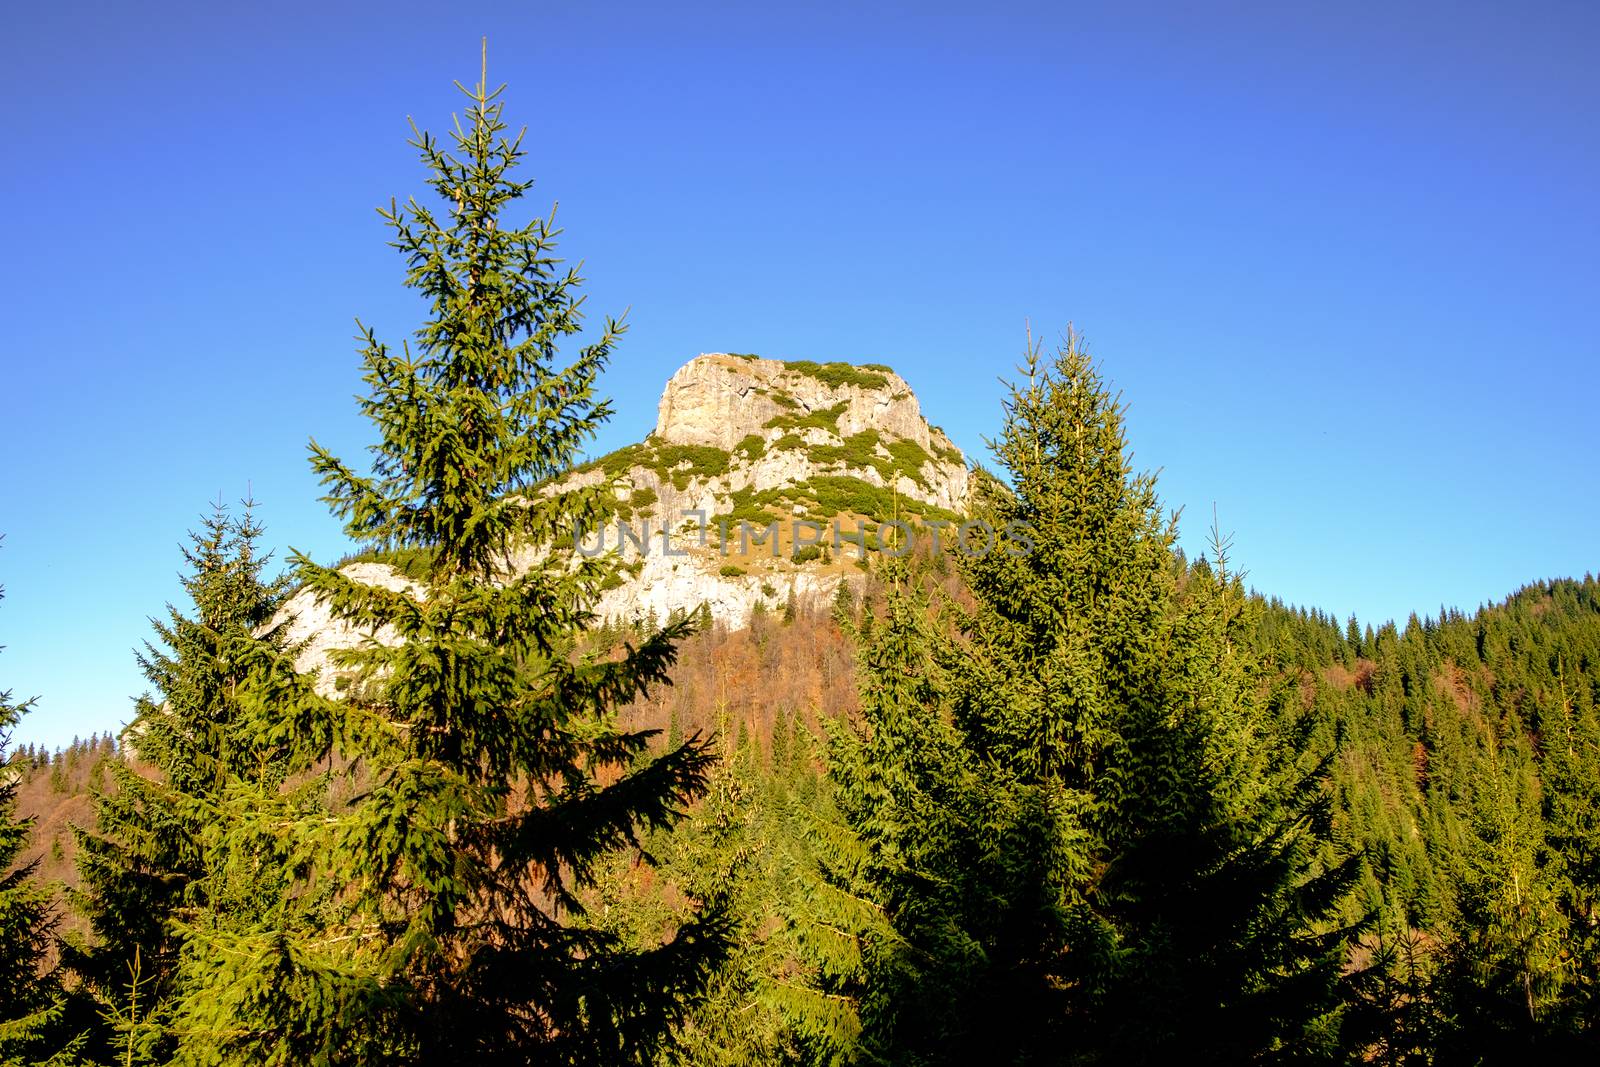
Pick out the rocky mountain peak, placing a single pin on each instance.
(766, 474)
(717, 398)
(745, 440)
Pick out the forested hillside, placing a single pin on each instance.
(1467, 766)
(1066, 798)
(1467, 773)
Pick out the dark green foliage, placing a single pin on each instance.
(412, 562)
(755, 840)
(843, 494)
(144, 865)
(678, 464)
(684, 463)
(615, 464)
(32, 1008)
(1089, 839)
(909, 457)
(749, 505)
(887, 934)
(857, 450)
(844, 605)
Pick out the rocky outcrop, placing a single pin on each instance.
(740, 443)
(312, 628)
(717, 399)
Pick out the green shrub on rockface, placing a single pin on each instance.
(909, 458)
(838, 374)
(842, 494)
(861, 451)
(682, 464)
(413, 562)
(678, 464)
(821, 418)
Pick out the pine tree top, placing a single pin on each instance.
(477, 411)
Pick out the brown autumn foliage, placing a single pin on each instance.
(741, 679)
(53, 790)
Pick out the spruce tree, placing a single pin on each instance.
(486, 773)
(844, 605)
(142, 865)
(31, 1006)
(750, 840)
(1062, 657)
(1511, 952)
(1114, 855)
(895, 959)
(1225, 886)
(1199, 909)
(1571, 774)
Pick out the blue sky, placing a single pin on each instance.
(1341, 259)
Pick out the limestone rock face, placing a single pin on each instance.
(312, 626)
(738, 440)
(716, 399)
(740, 437)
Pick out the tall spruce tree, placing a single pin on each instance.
(487, 774)
(1114, 854)
(1194, 910)
(141, 865)
(1224, 883)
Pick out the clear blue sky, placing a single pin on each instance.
(1342, 259)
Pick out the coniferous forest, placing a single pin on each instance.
(1086, 802)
